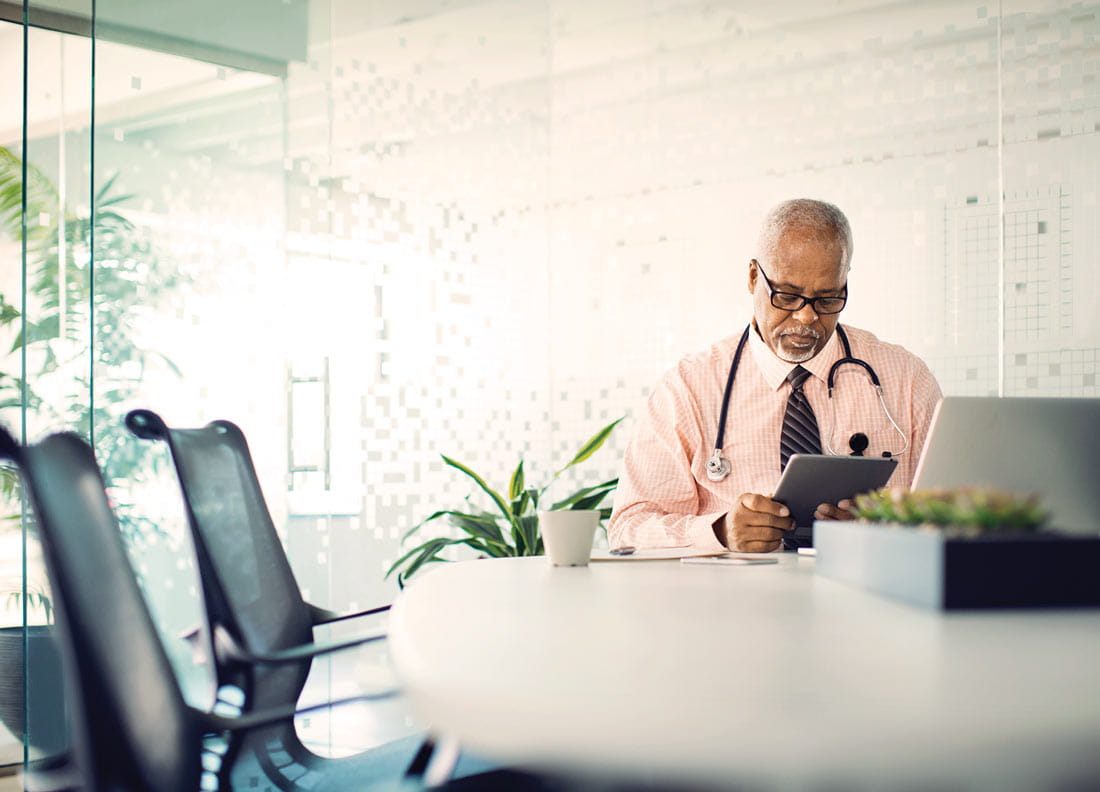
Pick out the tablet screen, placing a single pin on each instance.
(812, 479)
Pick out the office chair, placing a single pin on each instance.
(130, 728)
(255, 606)
(261, 628)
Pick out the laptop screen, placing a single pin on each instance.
(1046, 446)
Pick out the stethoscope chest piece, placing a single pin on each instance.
(718, 467)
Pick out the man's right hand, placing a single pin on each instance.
(756, 525)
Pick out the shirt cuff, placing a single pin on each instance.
(701, 533)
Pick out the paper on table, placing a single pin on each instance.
(656, 554)
(732, 560)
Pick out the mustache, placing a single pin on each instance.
(808, 332)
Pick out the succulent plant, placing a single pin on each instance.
(975, 510)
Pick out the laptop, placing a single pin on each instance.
(1047, 446)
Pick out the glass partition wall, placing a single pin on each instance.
(373, 233)
(46, 346)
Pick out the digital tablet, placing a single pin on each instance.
(812, 479)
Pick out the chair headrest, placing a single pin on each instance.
(147, 425)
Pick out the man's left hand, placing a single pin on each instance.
(827, 511)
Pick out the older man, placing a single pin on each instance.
(778, 402)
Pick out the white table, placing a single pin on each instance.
(747, 674)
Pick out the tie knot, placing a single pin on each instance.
(797, 376)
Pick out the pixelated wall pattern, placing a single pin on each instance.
(500, 222)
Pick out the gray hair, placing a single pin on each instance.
(825, 220)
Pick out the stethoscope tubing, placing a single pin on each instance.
(729, 390)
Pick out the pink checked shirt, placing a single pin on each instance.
(665, 499)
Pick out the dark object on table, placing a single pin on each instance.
(937, 569)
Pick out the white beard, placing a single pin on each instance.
(796, 356)
(799, 357)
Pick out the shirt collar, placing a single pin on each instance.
(775, 371)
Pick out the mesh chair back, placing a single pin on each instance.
(131, 729)
(248, 583)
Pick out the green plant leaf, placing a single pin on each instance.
(566, 503)
(491, 550)
(423, 552)
(37, 331)
(101, 199)
(41, 198)
(499, 501)
(518, 539)
(428, 555)
(592, 445)
(591, 502)
(520, 504)
(484, 528)
(169, 363)
(409, 554)
(425, 521)
(8, 312)
(529, 528)
(515, 487)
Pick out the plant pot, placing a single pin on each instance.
(926, 567)
(47, 732)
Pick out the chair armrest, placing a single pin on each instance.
(254, 720)
(324, 616)
(229, 650)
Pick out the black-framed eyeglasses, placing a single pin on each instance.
(789, 301)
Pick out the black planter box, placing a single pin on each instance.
(923, 567)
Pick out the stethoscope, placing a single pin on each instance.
(718, 467)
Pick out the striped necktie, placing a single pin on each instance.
(800, 434)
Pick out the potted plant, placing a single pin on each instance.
(81, 270)
(511, 530)
(30, 667)
(959, 548)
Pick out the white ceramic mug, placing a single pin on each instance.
(568, 535)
